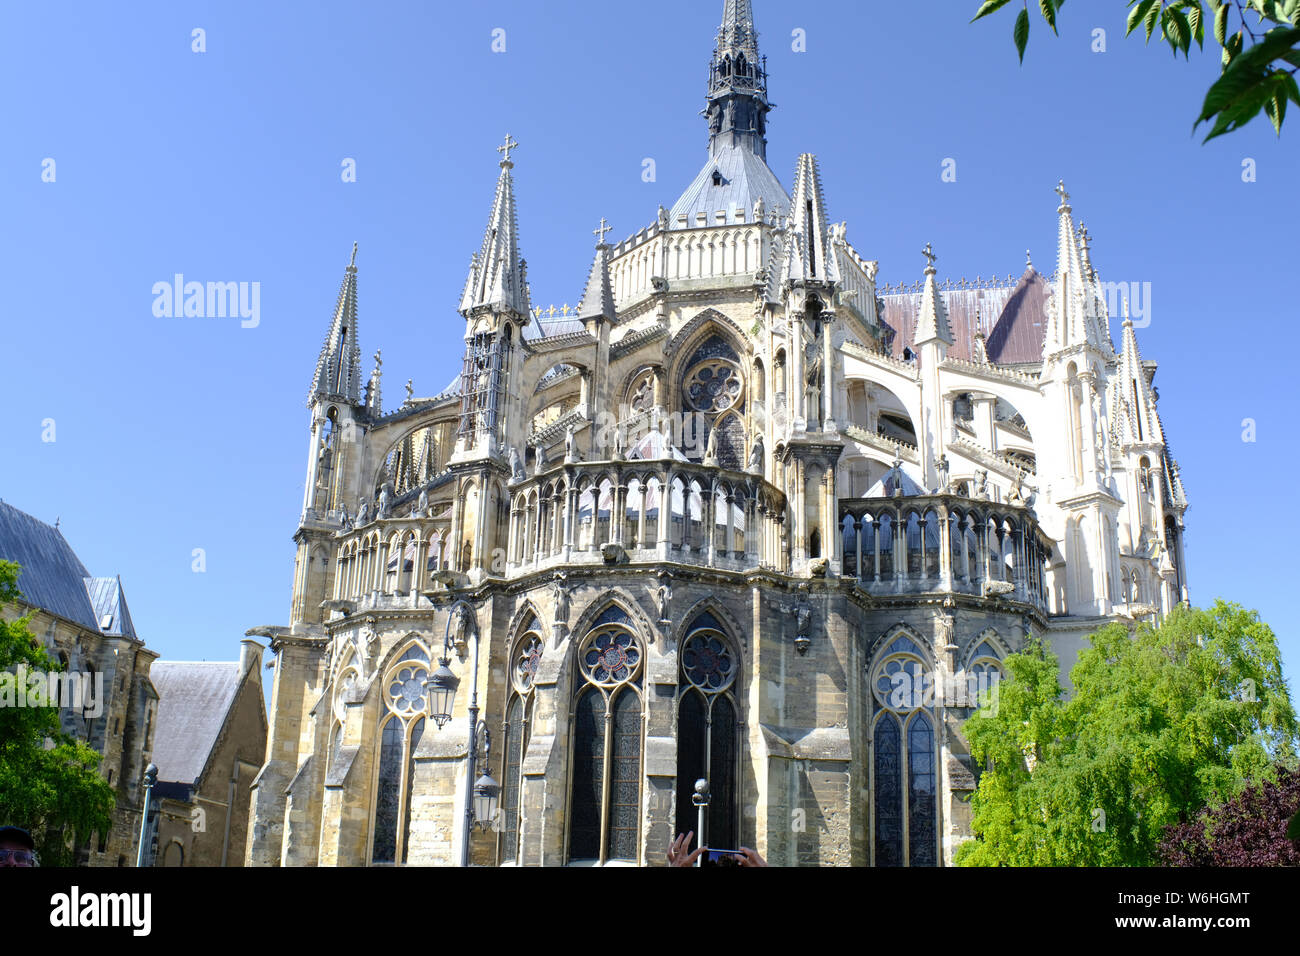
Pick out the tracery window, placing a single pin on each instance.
(904, 824)
(713, 389)
(526, 659)
(604, 813)
(708, 733)
(401, 727)
(983, 674)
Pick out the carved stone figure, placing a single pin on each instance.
(540, 463)
(756, 455)
(1017, 492)
(981, 483)
(664, 599)
(345, 519)
(569, 444)
(363, 514)
(561, 600)
(943, 466)
(422, 506)
(384, 501)
(711, 448)
(516, 465)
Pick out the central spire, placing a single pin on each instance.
(737, 104)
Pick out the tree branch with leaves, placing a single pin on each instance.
(1260, 60)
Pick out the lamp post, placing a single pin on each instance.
(150, 778)
(481, 795)
(701, 800)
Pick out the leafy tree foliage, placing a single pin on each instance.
(49, 783)
(1248, 830)
(1260, 58)
(1162, 723)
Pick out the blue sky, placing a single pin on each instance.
(179, 433)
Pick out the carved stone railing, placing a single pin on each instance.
(944, 543)
(389, 561)
(609, 512)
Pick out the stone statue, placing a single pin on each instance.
(561, 601)
(711, 448)
(422, 506)
(981, 483)
(814, 411)
(516, 465)
(539, 462)
(1017, 492)
(410, 389)
(618, 444)
(942, 465)
(568, 444)
(384, 501)
(756, 455)
(363, 513)
(663, 219)
(345, 519)
(664, 598)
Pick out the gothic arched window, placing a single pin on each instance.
(904, 764)
(524, 662)
(713, 393)
(604, 813)
(708, 733)
(401, 726)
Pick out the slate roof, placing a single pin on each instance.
(745, 177)
(1013, 318)
(193, 700)
(109, 602)
(53, 577)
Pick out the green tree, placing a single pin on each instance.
(1162, 723)
(49, 782)
(1260, 59)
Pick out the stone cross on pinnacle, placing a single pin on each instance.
(599, 231)
(505, 149)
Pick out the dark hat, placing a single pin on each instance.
(17, 835)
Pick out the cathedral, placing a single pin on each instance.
(746, 517)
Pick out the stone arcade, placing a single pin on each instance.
(706, 525)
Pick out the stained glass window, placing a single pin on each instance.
(588, 776)
(921, 804)
(604, 813)
(514, 750)
(389, 794)
(889, 792)
(707, 733)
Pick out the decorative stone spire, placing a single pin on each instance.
(338, 370)
(1074, 321)
(932, 325)
(809, 254)
(497, 278)
(737, 103)
(1138, 421)
(598, 298)
(374, 394)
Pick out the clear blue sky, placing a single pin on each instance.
(174, 433)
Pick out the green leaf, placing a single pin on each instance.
(1021, 34)
(1049, 13)
(990, 6)
(1139, 11)
(1196, 17)
(1153, 16)
(1221, 24)
(1176, 29)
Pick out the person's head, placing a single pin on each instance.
(16, 847)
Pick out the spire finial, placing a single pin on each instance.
(352, 264)
(1128, 323)
(505, 149)
(599, 231)
(1085, 237)
(1029, 260)
(1065, 196)
(930, 259)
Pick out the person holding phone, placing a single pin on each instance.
(680, 854)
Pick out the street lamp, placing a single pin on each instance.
(481, 795)
(150, 778)
(701, 800)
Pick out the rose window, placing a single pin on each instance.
(707, 661)
(902, 684)
(611, 657)
(406, 690)
(714, 386)
(527, 660)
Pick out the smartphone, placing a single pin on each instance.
(720, 858)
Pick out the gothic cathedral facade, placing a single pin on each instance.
(705, 526)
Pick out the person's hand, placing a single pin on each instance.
(678, 854)
(747, 857)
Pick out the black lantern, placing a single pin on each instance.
(442, 686)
